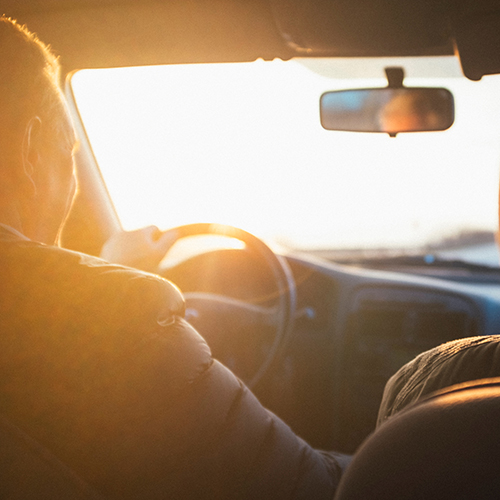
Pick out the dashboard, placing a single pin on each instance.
(353, 329)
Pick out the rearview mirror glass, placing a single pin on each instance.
(389, 110)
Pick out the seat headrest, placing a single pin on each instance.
(446, 446)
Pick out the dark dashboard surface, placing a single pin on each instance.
(354, 328)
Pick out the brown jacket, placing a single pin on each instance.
(97, 364)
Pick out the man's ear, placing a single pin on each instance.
(31, 149)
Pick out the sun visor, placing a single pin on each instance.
(477, 38)
(363, 27)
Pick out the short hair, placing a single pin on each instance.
(29, 82)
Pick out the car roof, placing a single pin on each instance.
(110, 33)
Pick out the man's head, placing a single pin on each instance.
(36, 137)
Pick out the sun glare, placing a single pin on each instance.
(241, 144)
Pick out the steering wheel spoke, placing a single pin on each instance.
(220, 318)
(201, 306)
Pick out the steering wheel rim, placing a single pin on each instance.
(283, 279)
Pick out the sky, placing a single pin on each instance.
(241, 144)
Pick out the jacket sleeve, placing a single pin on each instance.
(99, 366)
(203, 434)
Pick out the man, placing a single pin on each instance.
(97, 364)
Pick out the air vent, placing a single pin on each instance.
(388, 327)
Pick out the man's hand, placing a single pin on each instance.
(143, 249)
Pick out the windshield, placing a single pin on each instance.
(242, 144)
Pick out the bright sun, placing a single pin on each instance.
(241, 144)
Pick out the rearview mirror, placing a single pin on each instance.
(389, 110)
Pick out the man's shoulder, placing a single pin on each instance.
(46, 278)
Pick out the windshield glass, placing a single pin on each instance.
(242, 144)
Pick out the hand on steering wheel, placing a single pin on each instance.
(143, 248)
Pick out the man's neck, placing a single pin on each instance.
(25, 218)
(4, 228)
(10, 216)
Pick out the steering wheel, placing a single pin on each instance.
(203, 307)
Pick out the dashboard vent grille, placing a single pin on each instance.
(388, 327)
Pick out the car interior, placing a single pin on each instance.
(385, 242)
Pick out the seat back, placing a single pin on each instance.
(30, 471)
(445, 447)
